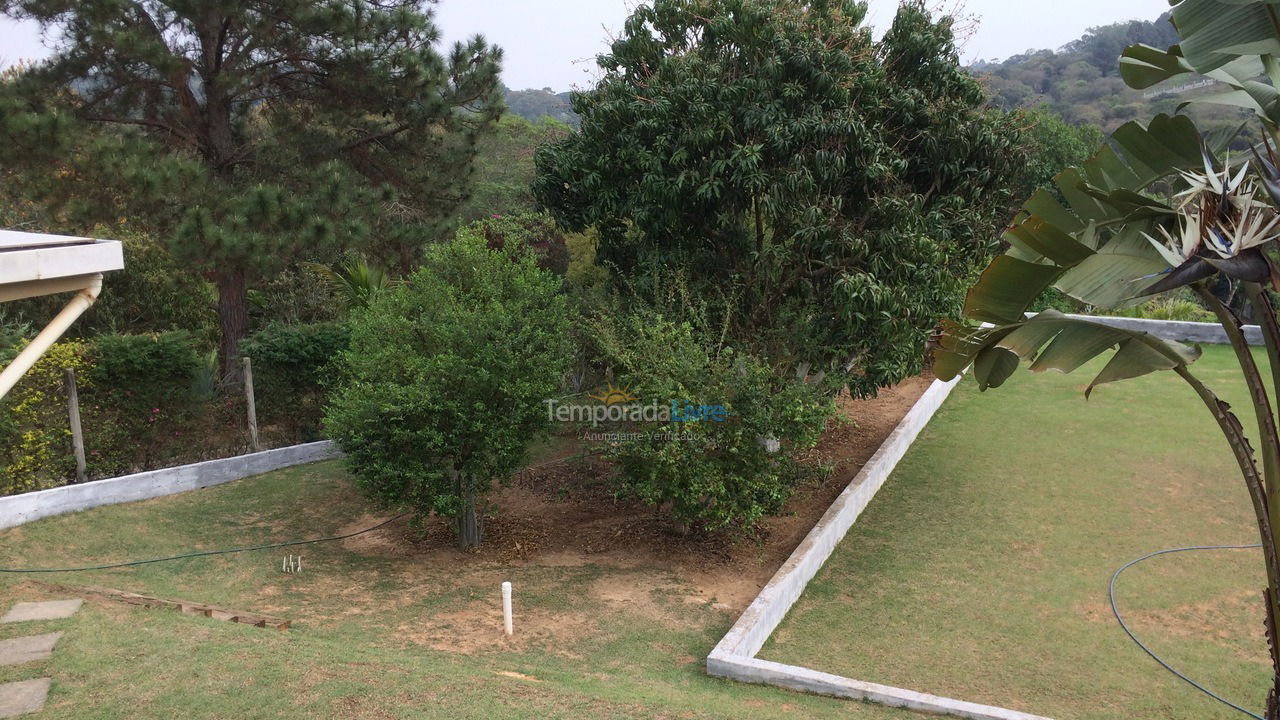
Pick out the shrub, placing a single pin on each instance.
(34, 446)
(534, 231)
(289, 364)
(155, 365)
(141, 388)
(716, 474)
(445, 379)
(1181, 306)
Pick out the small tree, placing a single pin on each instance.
(1153, 211)
(446, 377)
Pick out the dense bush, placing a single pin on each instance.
(444, 382)
(289, 363)
(534, 231)
(142, 389)
(156, 365)
(34, 432)
(709, 473)
(296, 295)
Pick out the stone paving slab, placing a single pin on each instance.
(20, 698)
(21, 650)
(49, 610)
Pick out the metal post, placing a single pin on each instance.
(252, 408)
(77, 435)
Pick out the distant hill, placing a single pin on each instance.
(533, 105)
(1081, 80)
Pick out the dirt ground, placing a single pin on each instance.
(561, 513)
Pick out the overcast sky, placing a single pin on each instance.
(552, 43)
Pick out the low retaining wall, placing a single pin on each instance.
(758, 622)
(1199, 332)
(734, 656)
(21, 509)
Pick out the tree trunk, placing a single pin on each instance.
(233, 322)
(469, 523)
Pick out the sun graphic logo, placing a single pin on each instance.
(614, 395)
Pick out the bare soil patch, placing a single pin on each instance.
(563, 513)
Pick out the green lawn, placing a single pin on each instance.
(980, 571)
(374, 637)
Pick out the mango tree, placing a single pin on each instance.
(1157, 208)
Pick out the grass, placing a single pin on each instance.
(374, 637)
(980, 571)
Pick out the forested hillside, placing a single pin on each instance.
(533, 105)
(1081, 80)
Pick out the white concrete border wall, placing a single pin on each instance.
(1195, 332)
(758, 622)
(21, 509)
(734, 656)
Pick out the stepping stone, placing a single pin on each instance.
(50, 610)
(20, 698)
(28, 649)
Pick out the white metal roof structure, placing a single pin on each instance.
(32, 264)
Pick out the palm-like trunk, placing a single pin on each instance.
(1264, 487)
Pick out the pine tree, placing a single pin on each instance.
(252, 133)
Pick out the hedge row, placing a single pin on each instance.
(148, 401)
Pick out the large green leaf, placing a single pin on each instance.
(1068, 343)
(1216, 32)
(1000, 295)
(1053, 243)
(1230, 41)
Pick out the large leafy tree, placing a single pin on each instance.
(1159, 208)
(253, 132)
(832, 193)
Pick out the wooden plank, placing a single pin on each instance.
(186, 607)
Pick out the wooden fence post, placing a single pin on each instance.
(250, 405)
(77, 434)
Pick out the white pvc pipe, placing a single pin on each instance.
(506, 607)
(47, 337)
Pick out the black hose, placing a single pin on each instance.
(206, 553)
(1149, 651)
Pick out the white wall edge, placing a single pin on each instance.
(765, 672)
(18, 510)
(762, 616)
(1211, 333)
(734, 656)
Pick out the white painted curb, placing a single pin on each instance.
(18, 510)
(1211, 333)
(734, 656)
